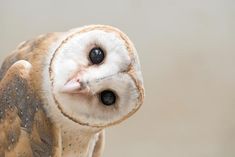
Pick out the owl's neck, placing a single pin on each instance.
(77, 142)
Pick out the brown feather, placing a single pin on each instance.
(25, 129)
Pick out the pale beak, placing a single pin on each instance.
(74, 86)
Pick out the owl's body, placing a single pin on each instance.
(51, 101)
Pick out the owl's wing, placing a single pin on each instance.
(25, 130)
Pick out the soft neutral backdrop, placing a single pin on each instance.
(187, 51)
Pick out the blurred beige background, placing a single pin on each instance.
(187, 51)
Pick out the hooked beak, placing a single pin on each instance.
(74, 86)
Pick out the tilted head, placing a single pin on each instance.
(95, 76)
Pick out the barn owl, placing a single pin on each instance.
(59, 91)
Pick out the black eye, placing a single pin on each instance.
(107, 97)
(96, 55)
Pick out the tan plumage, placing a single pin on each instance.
(29, 125)
(25, 128)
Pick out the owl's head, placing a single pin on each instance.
(95, 76)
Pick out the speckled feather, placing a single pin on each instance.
(23, 121)
(20, 110)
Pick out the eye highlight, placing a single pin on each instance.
(96, 55)
(107, 97)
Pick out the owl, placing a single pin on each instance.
(59, 91)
